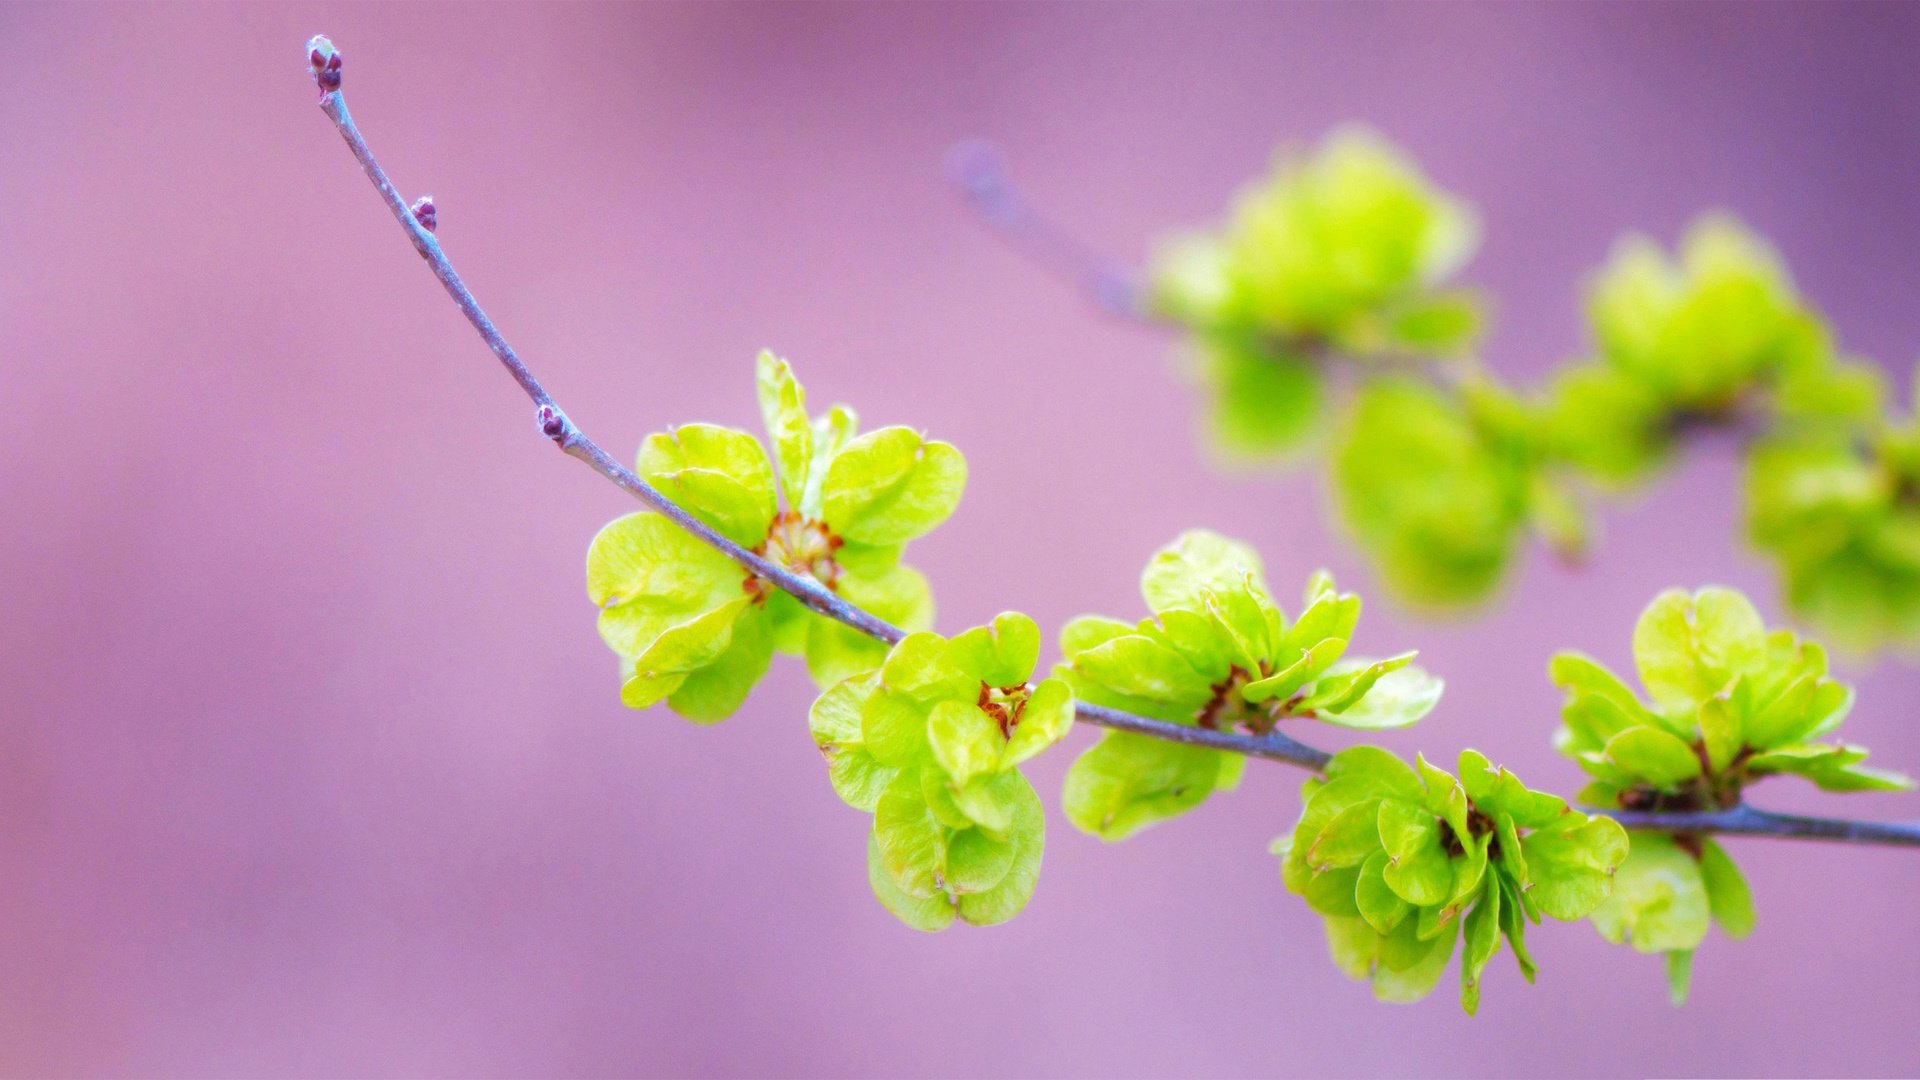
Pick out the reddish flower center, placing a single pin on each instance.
(1004, 704)
(799, 544)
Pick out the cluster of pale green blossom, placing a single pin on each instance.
(1441, 470)
(1407, 862)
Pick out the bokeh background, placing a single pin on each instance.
(312, 763)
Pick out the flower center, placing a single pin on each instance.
(1004, 704)
(1226, 709)
(1479, 823)
(799, 544)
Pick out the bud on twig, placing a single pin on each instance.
(424, 212)
(324, 59)
(553, 423)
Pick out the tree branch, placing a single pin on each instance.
(554, 424)
(1744, 820)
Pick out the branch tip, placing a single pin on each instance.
(324, 60)
(981, 171)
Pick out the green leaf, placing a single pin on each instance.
(1437, 324)
(1445, 795)
(890, 485)
(1500, 793)
(1843, 778)
(977, 861)
(929, 913)
(1000, 654)
(1432, 498)
(1396, 699)
(1689, 648)
(1141, 667)
(1513, 924)
(1329, 615)
(1481, 933)
(857, 777)
(1409, 967)
(1314, 662)
(1378, 770)
(1653, 756)
(1348, 840)
(831, 431)
(685, 648)
(1658, 902)
(1354, 946)
(1469, 873)
(1045, 720)
(1264, 400)
(899, 594)
(966, 741)
(1027, 836)
(912, 841)
(1376, 901)
(1417, 867)
(783, 407)
(1087, 631)
(1579, 674)
(1183, 574)
(1125, 782)
(718, 474)
(1719, 731)
(988, 801)
(1679, 975)
(1572, 864)
(1727, 895)
(714, 691)
(1343, 684)
(893, 727)
(646, 574)
(917, 667)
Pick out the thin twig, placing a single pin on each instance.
(568, 436)
(1274, 746)
(1746, 821)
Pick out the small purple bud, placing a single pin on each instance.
(424, 212)
(553, 422)
(324, 59)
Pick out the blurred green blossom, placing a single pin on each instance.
(1344, 248)
(1406, 862)
(1441, 486)
(1698, 340)
(694, 629)
(1217, 653)
(1727, 703)
(1840, 516)
(930, 744)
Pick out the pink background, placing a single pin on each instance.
(312, 760)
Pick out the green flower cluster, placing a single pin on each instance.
(1405, 861)
(930, 744)
(1440, 473)
(1441, 486)
(1340, 249)
(1216, 653)
(1841, 517)
(1716, 333)
(690, 626)
(1728, 703)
